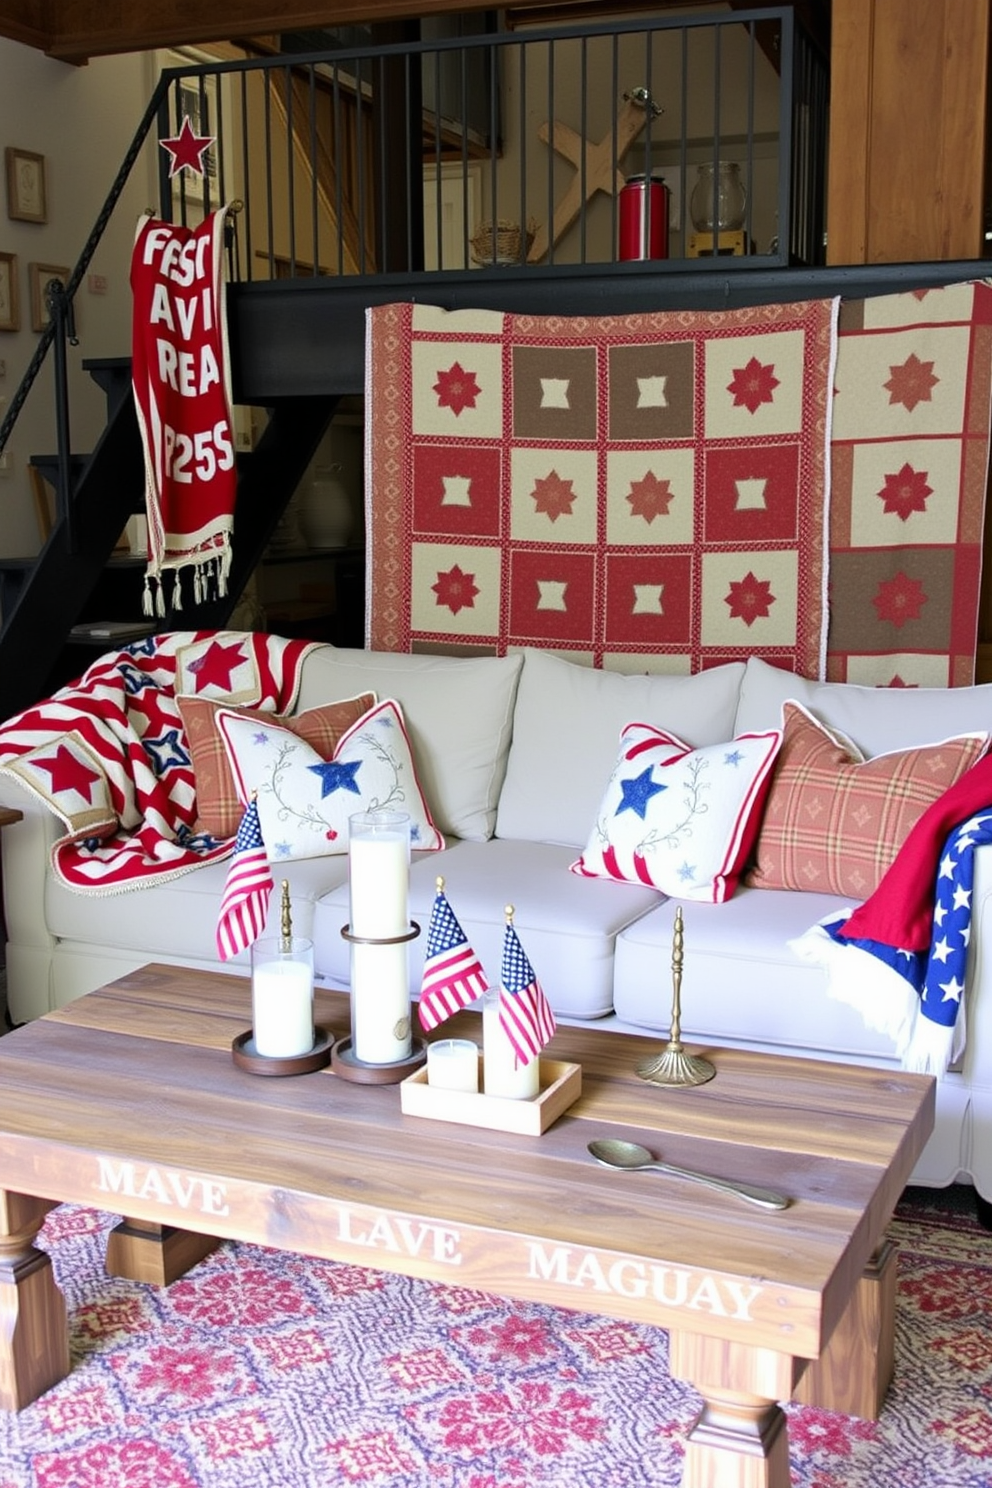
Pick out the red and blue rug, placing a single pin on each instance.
(262, 1370)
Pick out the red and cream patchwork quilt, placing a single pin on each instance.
(644, 492)
(910, 449)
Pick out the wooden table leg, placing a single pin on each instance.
(141, 1250)
(854, 1371)
(740, 1439)
(34, 1328)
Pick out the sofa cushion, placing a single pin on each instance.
(834, 822)
(876, 719)
(218, 805)
(567, 925)
(304, 800)
(565, 729)
(176, 920)
(681, 820)
(740, 980)
(459, 717)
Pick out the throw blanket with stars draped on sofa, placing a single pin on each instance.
(108, 754)
(901, 958)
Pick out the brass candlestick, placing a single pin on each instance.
(674, 1066)
(286, 921)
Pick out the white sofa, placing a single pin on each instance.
(513, 755)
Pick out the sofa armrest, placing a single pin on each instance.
(25, 847)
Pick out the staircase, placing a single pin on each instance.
(77, 581)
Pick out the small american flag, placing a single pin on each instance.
(453, 976)
(246, 890)
(525, 1014)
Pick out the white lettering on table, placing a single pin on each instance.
(175, 1190)
(669, 1285)
(401, 1236)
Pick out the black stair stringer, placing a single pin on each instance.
(267, 478)
(54, 593)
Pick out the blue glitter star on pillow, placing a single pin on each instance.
(335, 776)
(637, 792)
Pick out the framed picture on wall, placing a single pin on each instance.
(10, 316)
(38, 276)
(26, 196)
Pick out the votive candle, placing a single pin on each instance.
(453, 1064)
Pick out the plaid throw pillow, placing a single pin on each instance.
(834, 821)
(219, 807)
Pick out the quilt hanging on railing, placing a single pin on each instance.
(638, 492)
(909, 464)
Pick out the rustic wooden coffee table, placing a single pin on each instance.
(129, 1100)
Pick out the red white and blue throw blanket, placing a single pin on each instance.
(901, 958)
(108, 754)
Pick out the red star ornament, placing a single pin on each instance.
(187, 149)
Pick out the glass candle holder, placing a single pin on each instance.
(502, 1072)
(718, 201)
(453, 1064)
(282, 996)
(379, 930)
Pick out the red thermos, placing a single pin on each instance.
(643, 218)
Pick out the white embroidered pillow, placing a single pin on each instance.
(304, 800)
(681, 820)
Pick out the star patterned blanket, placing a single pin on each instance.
(646, 490)
(901, 958)
(107, 754)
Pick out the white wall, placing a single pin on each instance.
(82, 119)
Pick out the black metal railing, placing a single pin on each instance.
(471, 153)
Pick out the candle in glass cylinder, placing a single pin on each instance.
(282, 997)
(379, 878)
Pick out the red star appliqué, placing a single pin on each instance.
(899, 599)
(750, 599)
(69, 773)
(553, 496)
(911, 383)
(650, 497)
(753, 385)
(214, 667)
(905, 492)
(456, 590)
(456, 389)
(187, 149)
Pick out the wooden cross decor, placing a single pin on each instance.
(600, 174)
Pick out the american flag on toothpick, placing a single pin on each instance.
(525, 1014)
(453, 975)
(247, 888)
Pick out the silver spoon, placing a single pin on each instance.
(631, 1156)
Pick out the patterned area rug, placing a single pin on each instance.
(260, 1370)
(910, 449)
(637, 491)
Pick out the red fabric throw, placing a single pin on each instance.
(900, 912)
(182, 379)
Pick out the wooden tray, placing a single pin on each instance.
(560, 1086)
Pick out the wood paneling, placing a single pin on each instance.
(907, 134)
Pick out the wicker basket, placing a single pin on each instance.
(510, 244)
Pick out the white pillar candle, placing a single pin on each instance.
(282, 998)
(380, 1003)
(453, 1064)
(503, 1073)
(379, 874)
